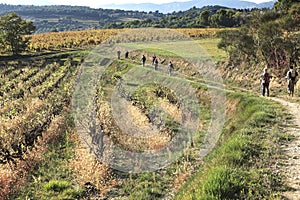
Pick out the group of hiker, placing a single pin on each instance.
(119, 54)
(292, 74)
(292, 78)
(154, 61)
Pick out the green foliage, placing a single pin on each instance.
(204, 16)
(74, 17)
(269, 36)
(12, 31)
(224, 18)
(212, 16)
(238, 44)
(284, 5)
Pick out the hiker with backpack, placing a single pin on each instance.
(265, 82)
(153, 59)
(155, 62)
(292, 76)
(170, 68)
(143, 60)
(119, 54)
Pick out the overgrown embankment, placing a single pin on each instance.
(247, 76)
(241, 166)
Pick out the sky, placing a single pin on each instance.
(93, 4)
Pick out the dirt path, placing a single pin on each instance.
(291, 161)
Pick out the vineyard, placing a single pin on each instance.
(81, 39)
(53, 149)
(35, 96)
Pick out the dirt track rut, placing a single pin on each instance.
(291, 161)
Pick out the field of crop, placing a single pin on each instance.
(35, 96)
(82, 39)
(51, 148)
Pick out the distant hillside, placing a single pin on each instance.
(66, 18)
(208, 16)
(177, 6)
(63, 18)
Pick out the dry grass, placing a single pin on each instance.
(87, 169)
(172, 110)
(13, 176)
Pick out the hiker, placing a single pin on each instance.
(170, 68)
(291, 75)
(119, 54)
(265, 81)
(153, 59)
(126, 54)
(155, 64)
(143, 60)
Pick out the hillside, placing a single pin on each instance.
(64, 18)
(177, 6)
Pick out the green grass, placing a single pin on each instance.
(57, 186)
(239, 167)
(199, 49)
(146, 186)
(210, 45)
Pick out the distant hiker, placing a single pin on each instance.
(126, 54)
(291, 75)
(265, 82)
(143, 60)
(153, 59)
(155, 63)
(170, 68)
(119, 54)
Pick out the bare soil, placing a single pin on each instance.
(291, 158)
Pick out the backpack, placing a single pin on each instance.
(292, 74)
(266, 77)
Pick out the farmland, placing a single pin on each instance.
(60, 111)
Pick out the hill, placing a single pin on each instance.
(66, 18)
(177, 6)
(63, 18)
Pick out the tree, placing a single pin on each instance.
(224, 18)
(284, 5)
(239, 45)
(14, 33)
(271, 36)
(204, 15)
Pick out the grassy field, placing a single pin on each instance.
(199, 48)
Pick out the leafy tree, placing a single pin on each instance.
(239, 45)
(224, 18)
(271, 36)
(13, 30)
(204, 15)
(284, 5)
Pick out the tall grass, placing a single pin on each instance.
(239, 168)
